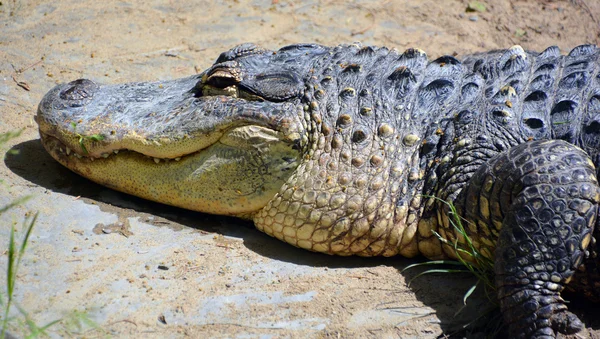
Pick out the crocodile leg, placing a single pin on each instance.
(541, 199)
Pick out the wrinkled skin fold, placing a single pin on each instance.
(354, 150)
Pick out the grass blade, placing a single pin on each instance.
(436, 271)
(433, 262)
(469, 292)
(28, 230)
(14, 203)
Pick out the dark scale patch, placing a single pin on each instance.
(351, 68)
(365, 111)
(534, 123)
(327, 81)
(402, 73)
(446, 60)
(502, 116)
(470, 92)
(576, 80)
(465, 117)
(583, 50)
(515, 63)
(486, 69)
(366, 51)
(536, 96)
(412, 53)
(348, 93)
(402, 80)
(579, 65)
(445, 67)
(413, 59)
(542, 81)
(490, 91)
(593, 128)
(545, 68)
(550, 52)
(344, 121)
(436, 91)
(359, 135)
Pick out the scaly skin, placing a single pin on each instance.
(355, 150)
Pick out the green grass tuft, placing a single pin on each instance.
(15, 253)
(470, 261)
(82, 138)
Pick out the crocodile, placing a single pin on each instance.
(361, 150)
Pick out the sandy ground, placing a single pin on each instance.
(141, 269)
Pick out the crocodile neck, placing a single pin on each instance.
(359, 188)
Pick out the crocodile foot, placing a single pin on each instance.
(543, 197)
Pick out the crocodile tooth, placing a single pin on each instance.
(116, 151)
(156, 160)
(177, 159)
(105, 155)
(92, 158)
(78, 156)
(61, 150)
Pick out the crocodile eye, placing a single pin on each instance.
(224, 75)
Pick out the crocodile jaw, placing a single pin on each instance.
(231, 163)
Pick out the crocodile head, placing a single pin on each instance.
(221, 142)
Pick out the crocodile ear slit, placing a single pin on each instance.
(277, 86)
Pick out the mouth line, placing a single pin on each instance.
(55, 144)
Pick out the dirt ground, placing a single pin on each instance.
(141, 269)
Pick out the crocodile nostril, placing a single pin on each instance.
(79, 90)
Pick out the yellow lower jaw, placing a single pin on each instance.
(215, 180)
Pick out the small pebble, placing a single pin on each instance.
(473, 18)
(163, 267)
